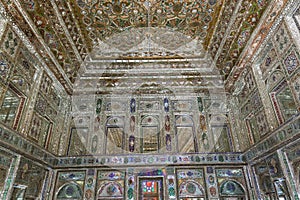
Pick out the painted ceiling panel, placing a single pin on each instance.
(65, 33)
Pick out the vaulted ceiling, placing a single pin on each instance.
(66, 32)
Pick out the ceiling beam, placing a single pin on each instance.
(42, 42)
(232, 20)
(66, 31)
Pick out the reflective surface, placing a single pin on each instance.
(9, 108)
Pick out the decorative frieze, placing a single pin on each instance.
(287, 131)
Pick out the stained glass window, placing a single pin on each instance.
(151, 189)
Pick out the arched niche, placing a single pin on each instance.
(115, 137)
(70, 191)
(185, 134)
(233, 190)
(191, 190)
(110, 190)
(150, 134)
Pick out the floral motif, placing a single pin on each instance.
(262, 123)
(291, 62)
(35, 127)
(10, 43)
(282, 39)
(4, 69)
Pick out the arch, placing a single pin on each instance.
(232, 188)
(110, 190)
(148, 120)
(219, 119)
(115, 121)
(184, 120)
(70, 190)
(191, 188)
(274, 78)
